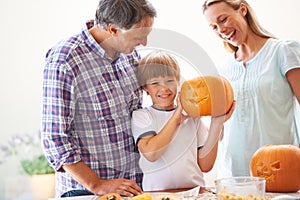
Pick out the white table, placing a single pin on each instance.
(188, 195)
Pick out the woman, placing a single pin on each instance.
(265, 74)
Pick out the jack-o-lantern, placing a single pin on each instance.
(279, 165)
(206, 96)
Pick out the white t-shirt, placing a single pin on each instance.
(265, 111)
(177, 167)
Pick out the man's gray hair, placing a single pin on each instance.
(123, 13)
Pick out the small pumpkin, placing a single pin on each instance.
(206, 96)
(279, 165)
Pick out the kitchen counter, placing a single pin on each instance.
(196, 193)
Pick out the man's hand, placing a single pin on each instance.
(121, 186)
(89, 179)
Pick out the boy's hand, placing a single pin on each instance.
(178, 112)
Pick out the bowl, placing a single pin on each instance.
(241, 188)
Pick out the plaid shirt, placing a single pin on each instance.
(88, 99)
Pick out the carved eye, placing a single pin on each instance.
(111, 197)
(275, 166)
(203, 99)
(259, 163)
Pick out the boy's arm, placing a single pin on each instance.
(207, 155)
(153, 146)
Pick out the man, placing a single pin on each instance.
(89, 92)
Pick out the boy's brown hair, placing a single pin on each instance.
(157, 64)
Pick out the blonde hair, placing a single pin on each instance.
(250, 18)
(156, 64)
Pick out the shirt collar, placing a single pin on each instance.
(93, 43)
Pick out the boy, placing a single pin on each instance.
(169, 141)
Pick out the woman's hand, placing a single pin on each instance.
(229, 113)
(226, 116)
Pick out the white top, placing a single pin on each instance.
(177, 167)
(266, 109)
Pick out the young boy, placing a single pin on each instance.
(169, 142)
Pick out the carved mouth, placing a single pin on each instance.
(200, 100)
(266, 172)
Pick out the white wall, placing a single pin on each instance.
(29, 28)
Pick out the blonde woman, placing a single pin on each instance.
(265, 74)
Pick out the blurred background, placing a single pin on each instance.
(30, 28)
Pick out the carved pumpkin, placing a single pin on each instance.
(206, 96)
(279, 165)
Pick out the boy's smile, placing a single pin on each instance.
(163, 91)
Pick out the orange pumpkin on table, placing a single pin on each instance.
(279, 165)
(206, 96)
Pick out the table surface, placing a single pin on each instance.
(202, 190)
